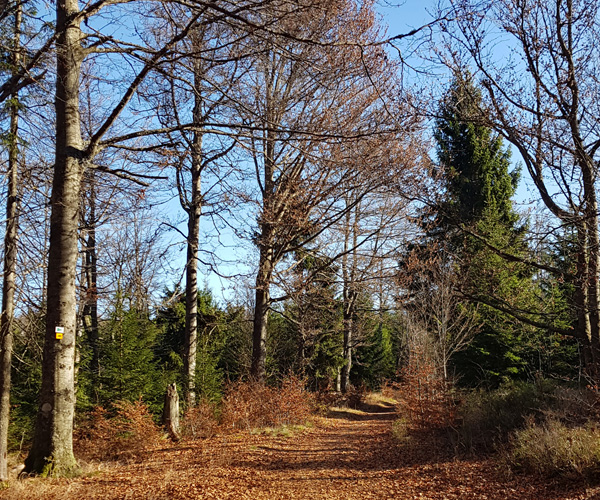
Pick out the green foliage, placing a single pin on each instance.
(235, 344)
(128, 368)
(223, 343)
(375, 360)
(26, 377)
(478, 191)
(306, 337)
(476, 163)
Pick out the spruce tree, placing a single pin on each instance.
(475, 163)
(477, 206)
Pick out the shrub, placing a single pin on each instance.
(425, 398)
(200, 421)
(552, 449)
(488, 418)
(124, 436)
(247, 405)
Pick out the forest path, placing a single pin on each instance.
(348, 455)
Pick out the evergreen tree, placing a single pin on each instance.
(478, 187)
(127, 366)
(306, 340)
(375, 359)
(222, 341)
(477, 181)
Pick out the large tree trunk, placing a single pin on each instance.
(265, 242)
(591, 217)
(10, 264)
(261, 315)
(52, 449)
(193, 239)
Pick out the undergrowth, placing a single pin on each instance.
(249, 405)
(540, 427)
(554, 449)
(125, 434)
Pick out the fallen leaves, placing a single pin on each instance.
(342, 457)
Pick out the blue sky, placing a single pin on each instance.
(404, 16)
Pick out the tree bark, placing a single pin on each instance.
(261, 315)
(171, 412)
(52, 449)
(10, 262)
(265, 242)
(593, 294)
(193, 242)
(349, 293)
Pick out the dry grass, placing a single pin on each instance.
(553, 449)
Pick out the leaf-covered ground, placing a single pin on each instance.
(349, 455)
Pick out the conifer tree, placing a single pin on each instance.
(477, 209)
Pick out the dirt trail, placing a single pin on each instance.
(350, 455)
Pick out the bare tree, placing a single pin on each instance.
(432, 300)
(193, 92)
(306, 100)
(51, 452)
(52, 449)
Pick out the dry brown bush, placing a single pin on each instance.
(200, 422)
(425, 398)
(248, 405)
(124, 436)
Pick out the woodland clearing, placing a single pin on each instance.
(349, 454)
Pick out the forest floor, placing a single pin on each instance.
(349, 454)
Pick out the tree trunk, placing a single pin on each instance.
(193, 241)
(171, 412)
(347, 354)
(10, 263)
(265, 244)
(583, 331)
(593, 293)
(52, 449)
(261, 316)
(349, 294)
(90, 308)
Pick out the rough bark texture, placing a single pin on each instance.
(261, 315)
(52, 449)
(171, 412)
(10, 264)
(193, 241)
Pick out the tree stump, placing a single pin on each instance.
(171, 411)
